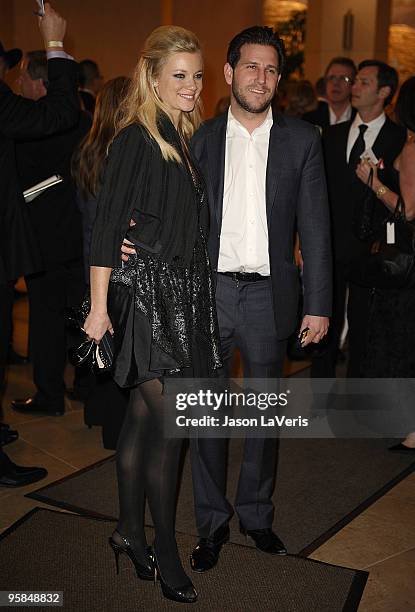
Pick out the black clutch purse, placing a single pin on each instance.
(98, 357)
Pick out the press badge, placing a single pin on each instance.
(369, 156)
(390, 233)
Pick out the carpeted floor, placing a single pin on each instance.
(321, 485)
(53, 551)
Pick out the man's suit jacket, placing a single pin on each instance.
(22, 118)
(295, 198)
(54, 214)
(321, 116)
(88, 101)
(347, 192)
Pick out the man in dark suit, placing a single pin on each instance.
(90, 82)
(338, 77)
(19, 253)
(264, 174)
(56, 220)
(374, 135)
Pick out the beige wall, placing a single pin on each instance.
(216, 22)
(6, 23)
(325, 32)
(112, 32)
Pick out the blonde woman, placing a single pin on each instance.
(159, 304)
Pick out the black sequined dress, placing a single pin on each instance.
(163, 313)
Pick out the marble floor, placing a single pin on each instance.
(381, 540)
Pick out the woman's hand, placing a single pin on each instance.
(96, 324)
(363, 171)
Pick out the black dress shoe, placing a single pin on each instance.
(206, 553)
(265, 540)
(7, 435)
(30, 405)
(401, 448)
(12, 475)
(78, 394)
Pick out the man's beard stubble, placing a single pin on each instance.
(243, 102)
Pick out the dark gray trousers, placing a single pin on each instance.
(246, 321)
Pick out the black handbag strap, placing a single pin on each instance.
(404, 227)
(400, 211)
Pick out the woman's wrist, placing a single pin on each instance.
(380, 189)
(99, 310)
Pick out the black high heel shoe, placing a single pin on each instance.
(144, 572)
(183, 594)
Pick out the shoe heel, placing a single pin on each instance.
(116, 552)
(143, 572)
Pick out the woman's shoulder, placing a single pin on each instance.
(131, 135)
(407, 155)
(406, 158)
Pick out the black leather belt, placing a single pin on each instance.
(245, 276)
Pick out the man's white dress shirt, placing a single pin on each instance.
(244, 234)
(372, 132)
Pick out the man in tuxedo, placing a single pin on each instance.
(338, 77)
(57, 222)
(371, 134)
(19, 252)
(264, 174)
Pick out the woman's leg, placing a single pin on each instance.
(131, 458)
(161, 477)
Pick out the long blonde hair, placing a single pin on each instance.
(142, 104)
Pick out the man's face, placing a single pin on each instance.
(339, 79)
(366, 94)
(3, 68)
(33, 89)
(255, 78)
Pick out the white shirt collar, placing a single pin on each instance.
(375, 124)
(345, 116)
(233, 124)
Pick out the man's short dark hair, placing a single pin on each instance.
(88, 71)
(387, 77)
(37, 66)
(256, 35)
(343, 61)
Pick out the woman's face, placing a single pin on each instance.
(180, 82)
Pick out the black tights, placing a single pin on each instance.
(147, 465)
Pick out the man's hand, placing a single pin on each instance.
(318, 327)
(127, 250)
(52, 26)
(127, 247)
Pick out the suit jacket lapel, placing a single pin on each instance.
(277, 159)
(382, 140)
(216, 145)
